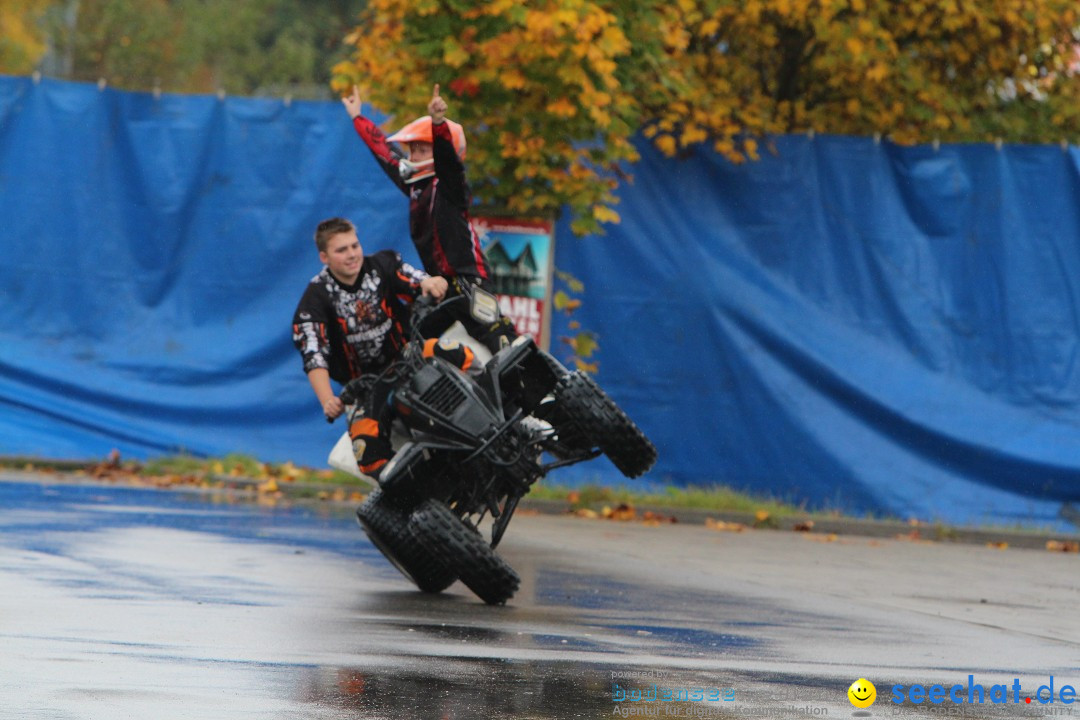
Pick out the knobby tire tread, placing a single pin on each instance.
(447, 537)
(590, 413)
(394, 539)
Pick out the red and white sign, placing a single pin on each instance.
(526, 313)
(520, 254)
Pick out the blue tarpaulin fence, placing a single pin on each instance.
(845, 323)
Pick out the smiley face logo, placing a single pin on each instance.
(862, 693)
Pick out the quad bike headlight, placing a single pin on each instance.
(484, 307)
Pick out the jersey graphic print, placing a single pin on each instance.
(363, 318)
(349, 330)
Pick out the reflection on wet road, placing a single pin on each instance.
(119, 602)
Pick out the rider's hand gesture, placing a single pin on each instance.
(353, 104)
(437, 107)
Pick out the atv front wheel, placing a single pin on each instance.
(388, 528)
(461, 548)
(584, 412)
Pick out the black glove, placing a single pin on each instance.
(422, 307)
(357, 389)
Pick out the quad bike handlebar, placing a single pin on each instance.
(423, 308)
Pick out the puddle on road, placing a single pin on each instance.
(463, 689)
(547, 617)
(569, 649)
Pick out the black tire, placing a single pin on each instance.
(461, 548)
(388, 528)
(557, 368)
(585, 412)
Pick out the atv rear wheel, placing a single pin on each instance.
(388, 528)
(586, 415)
(461, 548)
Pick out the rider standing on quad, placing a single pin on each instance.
(433, 177)
(350, 324)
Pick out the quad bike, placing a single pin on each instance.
(475, 444)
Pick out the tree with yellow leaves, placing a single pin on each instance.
(21, 42)
(912, 70)
(552, 91)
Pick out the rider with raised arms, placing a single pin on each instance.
(433, 178)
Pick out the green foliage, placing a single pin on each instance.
(716, 498)
(129, 43)
(175, 465)
(243, 466)
(244, 47)
(265, 46)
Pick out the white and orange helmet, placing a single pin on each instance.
(419, 130)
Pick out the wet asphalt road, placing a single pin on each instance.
(137, 603)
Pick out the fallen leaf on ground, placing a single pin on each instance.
(650, 517)
(289, 471)
(724, 526)
(831, 537)
(1059, 546)
(622, 512)
(763, 519)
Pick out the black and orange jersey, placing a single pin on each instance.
(354, 329)
(438, 206)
